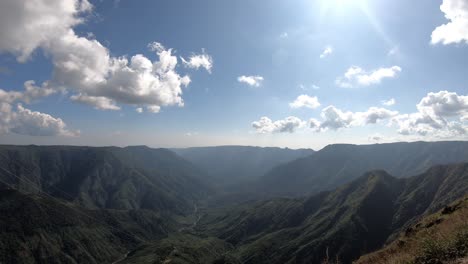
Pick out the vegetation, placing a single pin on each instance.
(183, 249)
(105, 177)
(142, 205)
(438, 238)
(40, 229)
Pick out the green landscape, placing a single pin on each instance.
(64, 204)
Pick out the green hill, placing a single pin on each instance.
(105, 177)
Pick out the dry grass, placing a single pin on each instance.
(437, 239)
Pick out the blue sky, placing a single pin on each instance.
(388, 49)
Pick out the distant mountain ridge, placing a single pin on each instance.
(237, 164)
(338, 164)
(106, 177)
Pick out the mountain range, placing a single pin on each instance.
(356, 218)
(65, 204)
(105, 177)
(338, 164)
(228, 165)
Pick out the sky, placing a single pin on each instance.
(173, 73)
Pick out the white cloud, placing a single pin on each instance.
(98, 102)
(314, 124)
(388, 102)
(373, 115)
(26, 25)
(31, 93)
(441, 114)
(83, 66)
(327, 51)
(303, 100)
(153, 108)
(334, 118)
(356, 76)
(21, 120)
(284, 35)
(201, 60)
(455, 31)
(139, 110)
(444, 104)
(26, 122)
(288, 125)
(254, 81)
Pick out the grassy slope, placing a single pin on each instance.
(438, 238)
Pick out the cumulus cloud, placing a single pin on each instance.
(21, 120)
(201, 60)
(83, 66)
(254, 81)
(456, 30)
(98, 102)
(314, 124)
(266, 125)
(327, 51)
(441, 114)
(303, 100)
(27, 25)
(444, 104)
(334, 118)
(27, 122)
(31, 93)
(388, 102)
(373, 115)
(356, 76)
